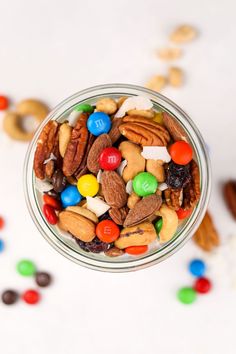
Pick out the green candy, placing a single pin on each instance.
(84, 107)
(187, 295)
(158, 225)
(26, 268)
(145, 184)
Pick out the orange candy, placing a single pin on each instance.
(3, 103)
(136, 250)
(181, 152)
(182, 214)
(52, 202)
(107, 231)
(2, 223)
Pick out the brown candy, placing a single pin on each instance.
(43, 279)
(59, 181)
(9, 297)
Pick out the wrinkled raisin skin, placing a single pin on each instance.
(178, 176)
(95, 246)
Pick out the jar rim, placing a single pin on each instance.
(189, 227)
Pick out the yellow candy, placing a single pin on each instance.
(158, 118)
(88, 185)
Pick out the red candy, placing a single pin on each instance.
(110, 159)
(52, 202)
(3, 103)
(50, 215)
(182, 214)
(107, 231)
(202, 285)
(181, 152)
(31, 297)
(136, 250)
(2, 223)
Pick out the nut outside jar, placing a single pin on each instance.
(115, 164)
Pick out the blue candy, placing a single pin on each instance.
(2, 246)
(197, 267)
(99, 123)
(70, 196)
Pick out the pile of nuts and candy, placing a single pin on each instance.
(117, 176)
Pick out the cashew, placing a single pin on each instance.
(64, 137)
(132, 200)
(32, 107)
(135, 162)
(149, 113)
(106, 105)
(175, 76)
(84, 212)
(121, 100)
(138, 235)
(155, 167)
(170, 223)
(12, 125)
(157, 83)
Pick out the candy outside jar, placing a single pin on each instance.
(78, 196)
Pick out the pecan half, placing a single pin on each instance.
(229, 191)
(102, 142)
(192, 191)
(174, 128)
(83, 169)
(143, 209)
(173, 198)
(113, 188)
(118, 215)
(206, 236)
(144, 131)
(76, 146)
(45, 145)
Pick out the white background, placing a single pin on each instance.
(51, 49)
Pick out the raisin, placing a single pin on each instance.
(178, 176)
(95, 246)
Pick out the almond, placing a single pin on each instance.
(113, 187)
(102, 142)
(174, 128)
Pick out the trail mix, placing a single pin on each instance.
(116, 176)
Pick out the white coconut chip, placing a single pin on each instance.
(99, 176)
(156, 153)
(43, 186)
(51, 157)
(97, 206)
(120, 169)
(134, 102)
(73, 117)
(129, 186)
(162, 187)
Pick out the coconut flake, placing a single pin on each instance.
(120, 169)
(99, 176)
(73, 117)
(156, 153)
(97, 206)
(134, 102)
(162, 187)
(129, 186)
(51, 157)
(43, 186)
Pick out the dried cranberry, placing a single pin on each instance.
(95, 246)
(177, 176)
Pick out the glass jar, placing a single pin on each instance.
(65, 244)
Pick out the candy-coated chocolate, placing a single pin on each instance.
(110, 159)
(50, 215)
(99, 123)
(2, 245)
(136, 250)
(43, 279)
(145, 184)
(3, 103)
(54, 203)
(183, 214)
(197, 267)
(70, 196)
(31, 297)
(202, 285)
(84, 107)
(2, 223)
(9, 297)
(26, 267)
(187, 295)
(107, 231)
(158, 225)
(88, 185)
(181, 152)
